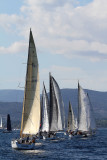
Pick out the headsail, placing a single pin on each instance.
(31, 105)
(45, 111)
(86, 119)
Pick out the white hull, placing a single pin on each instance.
(22, 146)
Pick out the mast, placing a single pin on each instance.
(31, 104)
(78, 119)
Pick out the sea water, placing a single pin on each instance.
(92, 148)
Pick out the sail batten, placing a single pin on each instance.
(31, 104)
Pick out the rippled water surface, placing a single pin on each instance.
(93, 148)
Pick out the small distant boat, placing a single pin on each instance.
(9, 129)
(31, 104)
(1, 124)
(86, 121)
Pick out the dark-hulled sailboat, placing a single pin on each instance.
(9, 129)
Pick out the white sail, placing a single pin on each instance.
(76, 123)
(53, 118)
(86, 119)
(71, 126)
(1, 123)
(45, 111)
(31, 105)
(60, 104)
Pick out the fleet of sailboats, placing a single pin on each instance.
(46, 118)
(52, 113)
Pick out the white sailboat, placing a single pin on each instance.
(1, 125)
(31, 104)
(44, 130)
(72, 122)
(57, 120)
(86, 121)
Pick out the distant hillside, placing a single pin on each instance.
(11, 95)
(11, 102)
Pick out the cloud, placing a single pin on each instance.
(62, 27)
(67, 77)
(16, 47)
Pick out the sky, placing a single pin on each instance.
(70, 38)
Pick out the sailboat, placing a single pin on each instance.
(30, 122)
(86, 121)
(44, 129)
(1, 125)
(71, 124)
(8, 129)
(56, 119)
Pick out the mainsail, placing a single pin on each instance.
(45, 111)
(53, 122)
(71, 125)
(86, 120)
(57, 120)
(61, 116)
(31, 104)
